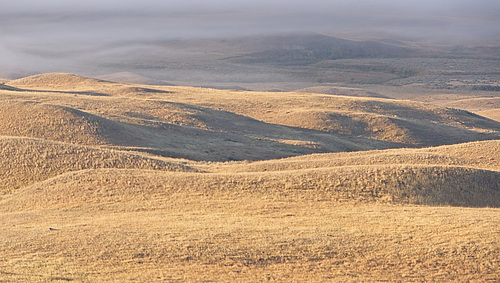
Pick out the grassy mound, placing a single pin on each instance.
(24, 161)
(422, 185)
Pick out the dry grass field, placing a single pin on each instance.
(113, 182)
(493, 114)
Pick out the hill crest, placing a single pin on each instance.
(56, 81)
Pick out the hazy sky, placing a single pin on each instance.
(46, 32)
(220, 5)
(250, 14)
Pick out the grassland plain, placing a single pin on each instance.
(105, 202)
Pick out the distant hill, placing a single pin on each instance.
(306, 49)
(61, 81)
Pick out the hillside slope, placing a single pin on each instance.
(218, 125)
(57, 81)
(407, 122)
(479, 155)
(328, 188)
(459, 175)
(391, 184)
(172, 130)
(24, 161)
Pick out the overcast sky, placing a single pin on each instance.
(33, 31)
(220, 5)
(249, 13)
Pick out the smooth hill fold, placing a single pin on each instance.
(393, 184)
(479, 155)
(465, 175)
(24, 161)
(74, 84)
(70, 125)
(172, 130)
(397, 121)
(215, 125)
(51, 122)
(410, 123)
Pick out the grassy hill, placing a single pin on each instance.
(458, 175)
(111, 182)
(58, 81)
(25, 161)
(218, 125)
(493, 114)
(406, 184)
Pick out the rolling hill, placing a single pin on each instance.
(107, 182)
(57, 81)
(25, 161)
(208, 124)
(458, 175)
(312, 48)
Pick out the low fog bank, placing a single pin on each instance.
(90, 37)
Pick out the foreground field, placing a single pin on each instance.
(212, 239)
(92, 188)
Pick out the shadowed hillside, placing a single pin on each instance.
(175, 130)
(405, 184)
(459, 175)
(51, 122)
(217, 125)
(479, 155)
(485, 105)
(271, 186)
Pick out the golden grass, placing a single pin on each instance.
(58, 81)
(24, 161)
(486, 105)
(79, 204)
(51, 122)
(352, 123)
(479, 155)
(408, 122)
(493, 114)
(199, 238)
(319, 224)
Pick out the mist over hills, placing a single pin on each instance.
(186, 43)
